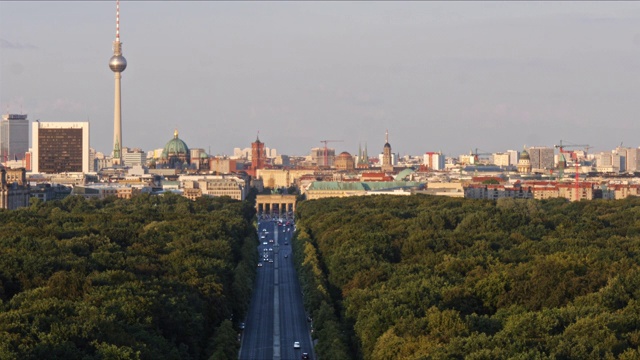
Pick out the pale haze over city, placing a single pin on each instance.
(440, 76)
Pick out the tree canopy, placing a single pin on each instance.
(425, 277)
(154, 277)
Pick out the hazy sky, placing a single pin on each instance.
(450, 76)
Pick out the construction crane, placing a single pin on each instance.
(477, 154)
(326, 153)
(563, 161)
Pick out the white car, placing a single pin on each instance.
(296, 345)
(259, 264)
(264, 243)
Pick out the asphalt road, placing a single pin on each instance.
(276, 317)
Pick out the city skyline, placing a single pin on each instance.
(439, 76)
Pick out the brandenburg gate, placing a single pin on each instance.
(275, 204)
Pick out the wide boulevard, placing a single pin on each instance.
(276, 317)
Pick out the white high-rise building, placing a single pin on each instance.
(59, 147)
(433, 160)
(14, 137)
(514, 156)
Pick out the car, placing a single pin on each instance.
(286, 243)
(270, 260)
(259, 264)
(271, 241)
(241, 326)
(264, 230)
(264, 243)
(296, 345)
(270, 249)
(305, 356)
(286, 256)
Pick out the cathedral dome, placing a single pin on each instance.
(175, 147)
(524, 155)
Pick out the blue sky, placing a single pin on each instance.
(449, 76)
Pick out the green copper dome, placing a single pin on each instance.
(175, 147)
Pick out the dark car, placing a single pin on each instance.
(305, 356)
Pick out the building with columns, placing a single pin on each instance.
(275, 204)
(524, 164)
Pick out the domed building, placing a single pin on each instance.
(176, 153)
(344, 161)
(524, 164)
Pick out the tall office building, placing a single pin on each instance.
(117, 64)
(541, 157)
(60, 147)
(629, 159)
(14, 137)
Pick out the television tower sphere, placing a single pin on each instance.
(117, 63)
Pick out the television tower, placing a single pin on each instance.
(117, 64)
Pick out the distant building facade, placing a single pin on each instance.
(222, 165)
(60, 147)
(134, 157)
(14, 137)
(608, 162)
(433, 161)
(501, 159)
(629, 159)
(345, 162)
(319, 158)
(14, 189)
(541, 157)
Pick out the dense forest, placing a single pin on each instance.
(154, 277)
(424, 277)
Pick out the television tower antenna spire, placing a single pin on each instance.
(118, 20)
(117, 64)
